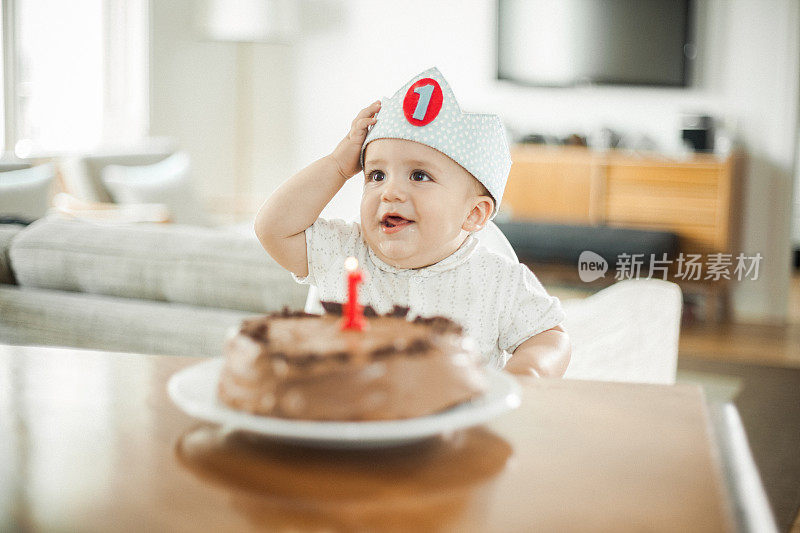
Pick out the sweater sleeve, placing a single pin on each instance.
(328, 244)
(530, 312)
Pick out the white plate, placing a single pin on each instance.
(194, 389)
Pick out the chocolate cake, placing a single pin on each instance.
(303, 366)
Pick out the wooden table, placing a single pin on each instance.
(91, 442)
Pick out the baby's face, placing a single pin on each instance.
(418, 204)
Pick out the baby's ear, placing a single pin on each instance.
(482, 208)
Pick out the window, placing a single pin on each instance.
(76, 74)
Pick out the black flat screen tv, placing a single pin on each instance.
(563, 43)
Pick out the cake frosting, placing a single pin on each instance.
(303, 366)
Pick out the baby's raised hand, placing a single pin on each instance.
(347, 153)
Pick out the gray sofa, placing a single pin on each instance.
(146, 288)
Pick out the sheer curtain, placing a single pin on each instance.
(76, 74)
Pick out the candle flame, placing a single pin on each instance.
(351, 263)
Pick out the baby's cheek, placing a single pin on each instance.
(446, 219)
(367, 207)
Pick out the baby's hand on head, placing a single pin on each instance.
(347, 153)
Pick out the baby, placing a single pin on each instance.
(433, 176)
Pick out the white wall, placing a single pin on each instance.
(796, 206)
(193, 94)
(228, 104)
(296, 102)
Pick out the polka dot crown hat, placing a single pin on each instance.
(425, 110)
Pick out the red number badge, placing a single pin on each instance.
(422, 102)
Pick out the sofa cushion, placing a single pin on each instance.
(58, 318)
(25, 193)
(169, 262)
(167, 182)
(7, 232)
(82, 174)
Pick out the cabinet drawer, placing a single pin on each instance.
(674, 210)
(664, 189)
(687, 176)
(662, 195)
(552, 191)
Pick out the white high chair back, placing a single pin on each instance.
(490, 236)
(494, 240)
(626, 332)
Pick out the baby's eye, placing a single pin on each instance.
(419, 175)
(376, 175)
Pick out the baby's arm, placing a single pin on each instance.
(283, 218)
(544, 355)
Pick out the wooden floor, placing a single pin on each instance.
(743, 343)
(748, 343)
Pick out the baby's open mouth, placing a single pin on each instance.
(392, 222)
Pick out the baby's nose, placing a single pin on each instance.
(393, 191)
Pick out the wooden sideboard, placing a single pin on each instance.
(698, 198)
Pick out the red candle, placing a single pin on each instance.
(353, 313)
